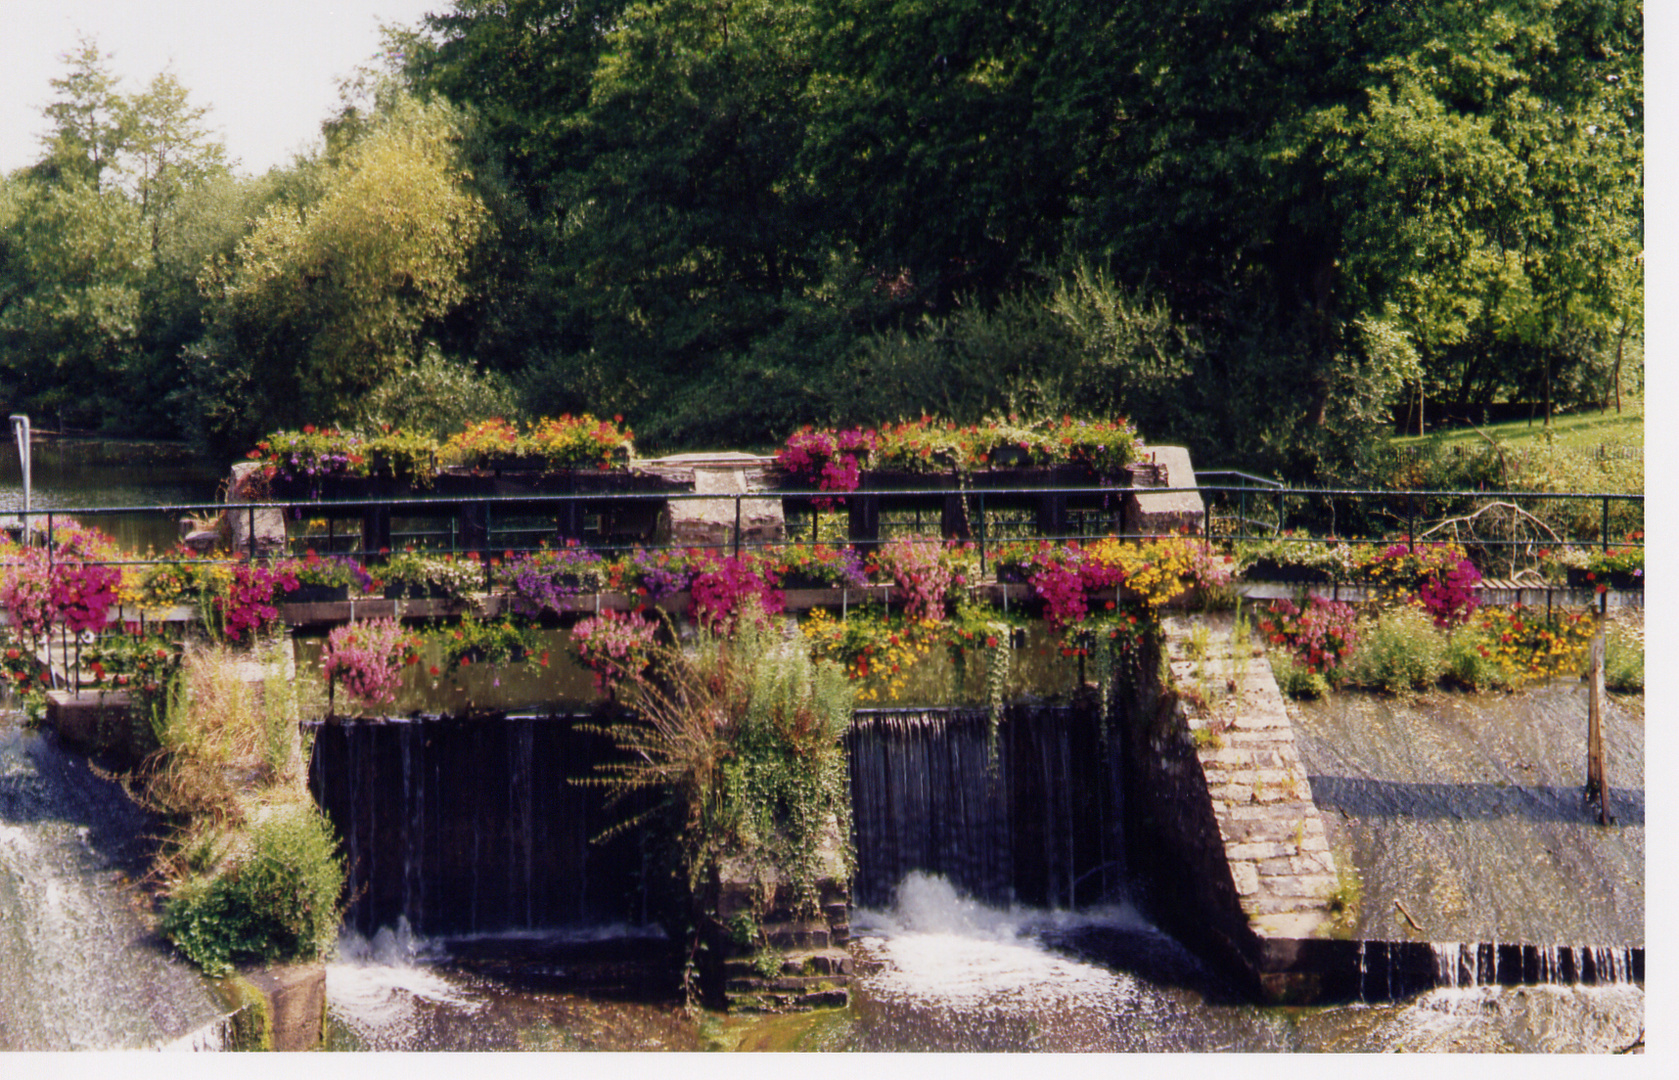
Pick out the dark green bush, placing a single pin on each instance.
(280, 901)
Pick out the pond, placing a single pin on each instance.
(80, 473)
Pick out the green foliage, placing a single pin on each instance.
(326, 299)
(1469, 659)
(1402, 651)
(436, 397)
(1623, 661)
(278, 901)
(743, 736)
(1297, 680)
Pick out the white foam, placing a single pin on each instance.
(938, 944)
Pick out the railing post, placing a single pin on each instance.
(737, 526)
(1605, 527)
(982, 532)
(1410, 522)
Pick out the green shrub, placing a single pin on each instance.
(280, 901)
(1402, 651)
(1471, 661)
(1296, 680)
(1623, 663)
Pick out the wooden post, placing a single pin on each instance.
(1596, 786)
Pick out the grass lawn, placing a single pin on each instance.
(1579, 431)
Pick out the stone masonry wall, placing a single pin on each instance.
(1223, 814)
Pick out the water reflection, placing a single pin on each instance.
(80, 473)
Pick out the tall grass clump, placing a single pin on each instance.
(1401, 651)
(218, 730)
(741, 740)
(1623, 661)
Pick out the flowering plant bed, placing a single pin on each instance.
(1320, 638)
(827, 460)
(724, 588)
(1439, 575)
(367, 659)
(300, 461)
(817, 566)
(248, 607)
(580, 442)
(540, 582)
(499, 643)
(615, 647)
(417, 575)
(653, 574)
(481, 442)
(327, 571)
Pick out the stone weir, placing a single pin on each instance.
(1222, 827)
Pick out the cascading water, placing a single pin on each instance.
(80, 970)
(474, 826)
(1037, 823)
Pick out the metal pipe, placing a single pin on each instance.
(20, 432)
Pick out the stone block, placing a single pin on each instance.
(1245, 876)
(1166, 512)
(296, 997)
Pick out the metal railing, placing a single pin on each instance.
(1228, 512)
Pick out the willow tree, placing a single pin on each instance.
(328, 297)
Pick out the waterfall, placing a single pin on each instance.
(1037, 823)
(473, 826)
(78, 969)
(1458, 965)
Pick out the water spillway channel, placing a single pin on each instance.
(79, 968)
(1032, 816)
(477, 826)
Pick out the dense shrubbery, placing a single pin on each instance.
(277, 901)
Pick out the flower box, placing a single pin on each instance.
(1580, 577)
(1271, 570)
(307, 593)
(409, 590)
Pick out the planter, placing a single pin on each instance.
(1271, 570)
(1626, 579)
(500, 463)
(1621, 580)
(805, 581)
(480, 656)
(1009, 457)
(318, 594)
(902, 480)
(409, 590)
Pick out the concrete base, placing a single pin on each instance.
(294, 1000)
(93, 722)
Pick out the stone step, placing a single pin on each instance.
(808, 963)
(803, 934)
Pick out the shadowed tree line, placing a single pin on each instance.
(1252, 227)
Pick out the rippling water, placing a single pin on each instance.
(79, 968)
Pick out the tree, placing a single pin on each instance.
(87, 119)
(71, 264)
(165, 150)
(323, 300)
